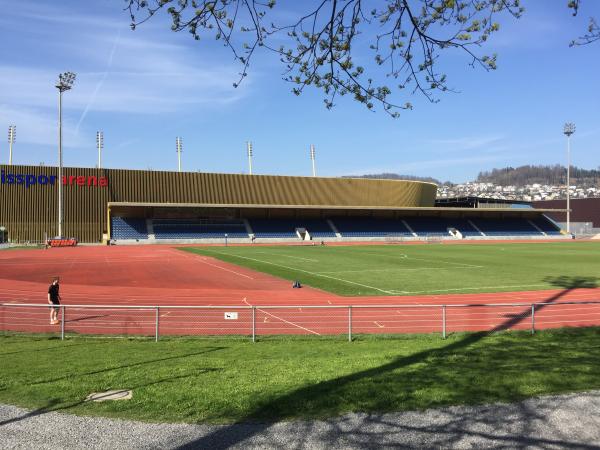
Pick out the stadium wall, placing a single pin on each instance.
(29, 195)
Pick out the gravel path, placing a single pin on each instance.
(567, 421)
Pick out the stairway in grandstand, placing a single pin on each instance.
(287, 228)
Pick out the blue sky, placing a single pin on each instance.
(143, 88)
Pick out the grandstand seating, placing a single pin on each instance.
(506, 227)
(547, 226)
(355, 227)
(128, 228)
(198, 228)
(286, 228)
(438, 226)
(370, 227)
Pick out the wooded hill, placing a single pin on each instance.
(548, 175)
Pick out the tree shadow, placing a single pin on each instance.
(127, 366)
(568, 282)
(52, 404)
(61, 346)
(404, 377)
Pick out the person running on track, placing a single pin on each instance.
(54, 300)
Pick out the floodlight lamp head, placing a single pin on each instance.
(178, 144)
(65, 81)
(12, 134)
(100, 139)
(569, 129)
(249, 148)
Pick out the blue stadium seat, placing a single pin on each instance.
(198, 228)
(438, 226)
(506, 227)
(286, 228)
(128, 228)
(370, 227)
(547, 226)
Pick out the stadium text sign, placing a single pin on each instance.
(29, 180)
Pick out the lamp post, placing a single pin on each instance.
(312, 158)
(569, 130)
(179, 149)
(100, 146)
(65, 82)
(12, 136)
(249, 150)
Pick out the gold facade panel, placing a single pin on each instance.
(30, 213)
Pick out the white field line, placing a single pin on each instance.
(289, 256)
(469, 288)
(407, 269)
(317, 274)
(405, 256)
(290, 323)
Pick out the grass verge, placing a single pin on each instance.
(228, 380)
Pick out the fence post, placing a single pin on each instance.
(443, 321)
(156, 324)
(532, 318)
(62, 323)
(349, 323)
(253, 323)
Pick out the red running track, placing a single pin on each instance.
(166, 277)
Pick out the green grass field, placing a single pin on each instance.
(228, 380)
(421, 269)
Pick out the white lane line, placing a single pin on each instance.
(378, 324)
(290, 323)
(165, 314)
(246, 302)
(200, 258)
(305, 271)
(470, 288)
(226, 270)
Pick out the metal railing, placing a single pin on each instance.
(254, 320)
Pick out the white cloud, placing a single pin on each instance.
(118, 71)
(39, 127)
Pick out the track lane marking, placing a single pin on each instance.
(290, 323)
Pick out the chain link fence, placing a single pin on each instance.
(254, 321)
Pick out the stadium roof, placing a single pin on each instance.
(331, 207)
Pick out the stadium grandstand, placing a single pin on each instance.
(133, 206)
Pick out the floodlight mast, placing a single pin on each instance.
(65, 83)
(249, 150)
(312, 158)
(12, 136)
(100, 146)
(179, 149)
(568, 131)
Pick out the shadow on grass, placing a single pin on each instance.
(127, 366)
(56, 405)
(61, 346)
(461, 372)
